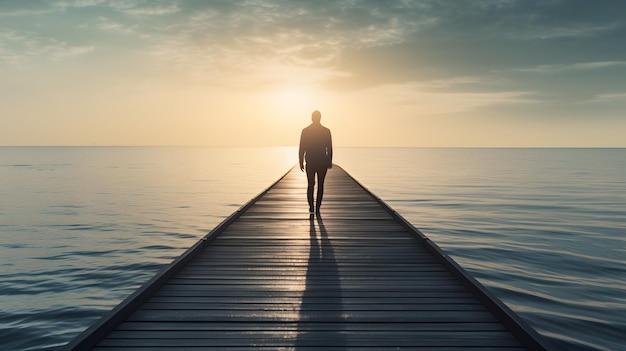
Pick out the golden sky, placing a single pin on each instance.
(487, 73)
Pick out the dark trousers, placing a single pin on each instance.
(311, 171)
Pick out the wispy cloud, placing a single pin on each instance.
(582, 66)
(241, 37)
(64, 4)
(38, 8)
(556, 32)
(107, 24)
(145, 8)
(421, 97)
(607, 98)
(466, 102)
(17, 48)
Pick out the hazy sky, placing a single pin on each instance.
(249, 73)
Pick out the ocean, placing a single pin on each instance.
(82, 227)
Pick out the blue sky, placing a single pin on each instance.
(383, 73)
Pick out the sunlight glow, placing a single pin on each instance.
(296, 99)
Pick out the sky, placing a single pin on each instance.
(423, 73)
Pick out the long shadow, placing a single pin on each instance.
(321, 309)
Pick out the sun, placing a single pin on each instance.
(291, 102)
(296, 98)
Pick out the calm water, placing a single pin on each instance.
(82, 228)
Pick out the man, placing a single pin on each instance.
(316, 147)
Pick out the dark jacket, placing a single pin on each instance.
(316, 146)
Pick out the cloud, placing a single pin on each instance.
(18, 48)
(359, 44)
(573, 67)
(482, 47)
(107, 24)
(481, 37)
(428, 101)
(145, 8)
(76, 3)
(42, 7)
(607, 98)
(555, 32)
(238, 36)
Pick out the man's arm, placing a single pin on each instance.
(301, 152)
(329, 150)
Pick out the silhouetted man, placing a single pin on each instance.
(316, 147)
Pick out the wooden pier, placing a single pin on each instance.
(272, 278)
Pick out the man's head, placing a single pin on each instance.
(316, 116)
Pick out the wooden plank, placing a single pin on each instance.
(388, 294)
(358, 278)
(346, 301)
(311, 327)
(332, 307)
(336, 339)
(304, 348)
(310, 316)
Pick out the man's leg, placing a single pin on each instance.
(310, 176)
(321, 176)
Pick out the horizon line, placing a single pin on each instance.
(338, 146)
